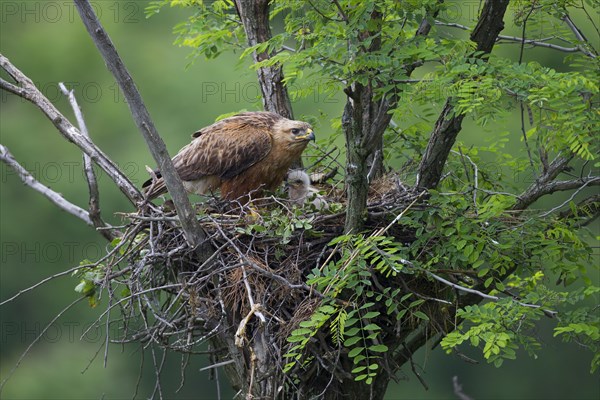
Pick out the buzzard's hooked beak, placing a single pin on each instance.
(309, 135)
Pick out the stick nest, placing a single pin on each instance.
(254, 278)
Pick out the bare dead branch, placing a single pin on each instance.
(479, 293)
(30, 92)
(579, 36)
(255, 306)
(549, 313)
(40, 283)
(9, 87)
(458, 390)
(37, 339)
(193, 232)
(130, 297)
(260, 270)
(157, 371)
(94, 202)
(89, 172)
(542, 42)
(578, 184)
(50, 194)
(217, 365)
(69, 271)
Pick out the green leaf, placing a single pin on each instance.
(421, 315)
(401, 314)
(295, 339)
(416, 303)
(352, 331)
(355, 351)
(380, 348)
(371, 314)
(85, 287)
(302, 332)
(311, 323)
(352, 341)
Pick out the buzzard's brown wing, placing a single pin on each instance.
(224, 150)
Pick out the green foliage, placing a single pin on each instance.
(278, 223)
(582, 325)
(353, 323)
(512, 260)
(210, 31)
(90, 279)
(528, 255)
(354, 330)
(501, 327)
(496, 326)
(468, 230)
(322, 51)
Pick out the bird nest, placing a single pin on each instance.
(255, 274)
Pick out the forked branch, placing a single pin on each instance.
(90, 175)
(543, 185)
(26, 89)
(50, 194)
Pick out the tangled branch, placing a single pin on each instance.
(142, 119)
(26, 89)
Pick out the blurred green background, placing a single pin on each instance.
(46, 40)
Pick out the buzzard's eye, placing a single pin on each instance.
(295, 131)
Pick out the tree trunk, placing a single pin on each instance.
(448, 125)
(254, 15)
(356, 113)
(440, 143)
(364, 121)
